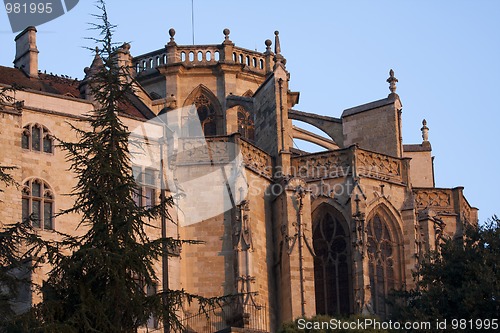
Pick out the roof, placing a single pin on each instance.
(65, 86)
(45, 83)
(425, 146)
(367, 106)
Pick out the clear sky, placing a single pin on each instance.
(446, 55)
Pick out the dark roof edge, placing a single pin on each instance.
(368, 106)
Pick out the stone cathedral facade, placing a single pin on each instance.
(330, 232)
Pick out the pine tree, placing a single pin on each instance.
(99, 286)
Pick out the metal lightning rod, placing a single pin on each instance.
(192, 18)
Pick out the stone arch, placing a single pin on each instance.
(385, 255)
(332, 261)
(207, 113)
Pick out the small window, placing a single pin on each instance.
(38, 204)
(216, 55)
(36, 137)
(146, 192)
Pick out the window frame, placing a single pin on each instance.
(146, 186)
(44, 198)
(28, 142)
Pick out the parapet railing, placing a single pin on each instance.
(203, 55)
(348, 161)
(248, 316)
(223, 150)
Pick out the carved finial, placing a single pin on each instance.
(171, 32)
(277, 46)
(226, 33)
(279, 60)
(425, 131)
(392, 82)
(268, 45)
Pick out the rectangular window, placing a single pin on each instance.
(150, 196)
(36, 210)
(47, 215)
(138, 197)
(26, 209)
(152, 321)
(25, 141)
(150, 177)
(47, 145)
(35, 138)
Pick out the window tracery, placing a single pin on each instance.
(246, 124)
(331, 265)
(36, 137)
(383, 262)
(38, 204)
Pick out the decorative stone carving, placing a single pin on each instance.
(201, 151)
(321, 166)
(378, 166)
(433, 198)
(256, 159)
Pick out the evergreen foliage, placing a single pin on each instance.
(98, 281)
(460, 281)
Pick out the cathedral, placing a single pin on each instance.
(290, 232)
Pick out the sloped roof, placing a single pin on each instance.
(64, 86)
(45, 83)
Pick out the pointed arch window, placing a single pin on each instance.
(38, 203)
(331, 265)
(246, 125)
(207, 115)
(36, 137)
(383, 263)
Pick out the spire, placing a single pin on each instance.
(277, 46)
(392, 83)
(425, 131)
(97, 62)
(279, 60)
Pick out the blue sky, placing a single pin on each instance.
(444, 53)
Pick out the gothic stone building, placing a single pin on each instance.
(330, 232)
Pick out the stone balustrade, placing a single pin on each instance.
(223, 150)
(341, 163)
(200, 55)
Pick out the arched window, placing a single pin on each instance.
(37, 138)
(206, 115)
(383, 262)
(331, 264)
(38, 203)
(246, 125)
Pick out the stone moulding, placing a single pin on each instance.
(344, 162)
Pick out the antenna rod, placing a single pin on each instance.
(192, 18)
